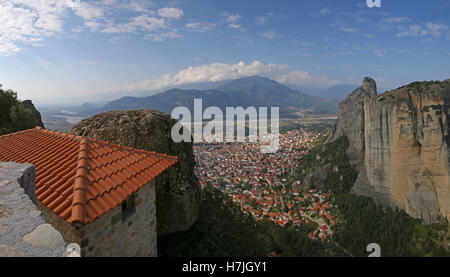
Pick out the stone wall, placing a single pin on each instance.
(23, 229)
(111, 235)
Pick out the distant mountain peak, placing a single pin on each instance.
(253, 82)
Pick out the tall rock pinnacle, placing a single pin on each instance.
(350, 121)
(369, 85)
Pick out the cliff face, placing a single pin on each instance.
(178, 190)
(28, 104)
(406, 145)
(351, 121)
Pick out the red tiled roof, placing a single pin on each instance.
(80, 178)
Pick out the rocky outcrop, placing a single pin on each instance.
(317, 178)
(406, 143)
(178, 190)
(350, 121)
(28, 104)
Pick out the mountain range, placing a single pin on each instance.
(248, 91)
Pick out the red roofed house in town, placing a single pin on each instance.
(97, 194)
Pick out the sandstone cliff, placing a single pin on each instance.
(351, 121)
(406, 143)
(178, 192)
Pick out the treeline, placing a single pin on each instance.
(398, 234)
(13, 115)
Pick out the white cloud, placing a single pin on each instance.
(32, 22)
(397, 20)
(301, 43)
(436, 29)
(346, 53)
(263, 19)
(271, 34)
(7, 47)
(200, 27)
(170, 12)
(207, 73)
(26, 22)
(236, 26)
(232, 18)
(428, 29)
(325, 11)
(379, 52)
(163, 36)
(412, 30)
(295, 78)
(347, 29)
(142, 22)
(88, 11)
(301, 78)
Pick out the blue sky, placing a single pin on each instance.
(65, 51)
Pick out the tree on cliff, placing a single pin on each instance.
(13, 115)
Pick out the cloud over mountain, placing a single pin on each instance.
(207, 73)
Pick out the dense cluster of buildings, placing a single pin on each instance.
(258, 182)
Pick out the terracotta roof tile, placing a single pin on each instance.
(81, 178)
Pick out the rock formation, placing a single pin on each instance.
(317, 178)
(406, 161)
(399, 141)
(28, 104)
(350, 121)
(178, 192)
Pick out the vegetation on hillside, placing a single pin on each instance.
(13, 115)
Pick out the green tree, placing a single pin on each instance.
(13, 115)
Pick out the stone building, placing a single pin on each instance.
(97, 194)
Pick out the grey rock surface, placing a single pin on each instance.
(45, 236)
(317, 177)
(20, 215)
(350, 121)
